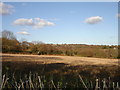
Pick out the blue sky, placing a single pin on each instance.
(63, 22)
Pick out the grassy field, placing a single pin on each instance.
(62, 69)
(71, 60)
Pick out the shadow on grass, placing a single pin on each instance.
(60, 69)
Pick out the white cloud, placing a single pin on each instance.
(6, 9)
(23, 21)
(23, 33)
(35, 22)
(39, 23)
(94, 20)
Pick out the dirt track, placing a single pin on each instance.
(71, 60)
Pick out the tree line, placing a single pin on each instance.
(10, 44)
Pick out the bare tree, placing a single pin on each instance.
(8, 35)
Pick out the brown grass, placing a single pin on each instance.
(70, 60)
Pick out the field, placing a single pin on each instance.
(60, 69)
(70, 60)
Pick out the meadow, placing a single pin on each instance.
(22, 71)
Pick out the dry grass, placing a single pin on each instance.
(58, 69)
(48, 59)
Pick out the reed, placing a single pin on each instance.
(35, 81)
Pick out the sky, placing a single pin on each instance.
(62, 22)
(60, 0)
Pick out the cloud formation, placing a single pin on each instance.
(23, 33)
(94, 20)
(6, 9)
(34, 22)
(23, 21)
